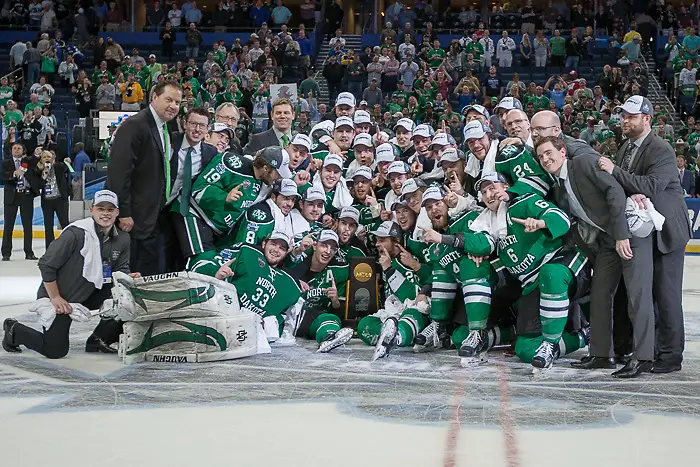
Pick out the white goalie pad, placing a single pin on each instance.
(171, 296)
(189, 340)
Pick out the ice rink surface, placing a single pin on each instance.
(297, 408)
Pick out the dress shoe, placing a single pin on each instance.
(95, 344)
(633, 369)
(592, 363)
(31, 257)
(661, 366)
(8, 339)
(623, 359)
(6, 258)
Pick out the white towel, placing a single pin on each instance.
(493, 223)
(282, 222)
(91, 251)
(47, 313)
(342, 197)
(643, 221)
(300, 226)
(473, 167)
(422, 223)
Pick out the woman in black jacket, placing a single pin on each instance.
(50, 181)
(167, 38)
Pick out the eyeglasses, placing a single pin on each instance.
(517, 122)
(226, 119)
(198, 125)
(540, 129)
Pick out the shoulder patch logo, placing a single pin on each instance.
(258, 215)
(233, 161)
(261, 262)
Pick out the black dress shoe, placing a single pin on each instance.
(95, 344)
(8, 339)
(661, 366)
(592, 363)
(623, 359)
(633, 369)
(6, 258)
(31, 257)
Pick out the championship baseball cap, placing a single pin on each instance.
(223, 128)
(302, 140)
(361, 116)
(384, 153)
(345, 98)
(363, 139)
(636, 105)
(397, 167)
(344, 121)
(313, 194)
(365, 102)
(642, 222)
(285, 187)
(426, 131)
(476, 108)
(433, 193)
(281, 235)
(328, 236)
(405, 123)
(411, 186)
(364, 172)
(106, 196)
(449, 155)
(152, 56)
(325, 126)
(509, 103)
(277, 158)
(474, 130)
(389, 229)
(349, 212)
(333, 159)
(492, 177)
(440, 139)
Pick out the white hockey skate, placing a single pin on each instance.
(544, 358)
(388, 338)
(472, 350)
(427, 339)
(333, 341)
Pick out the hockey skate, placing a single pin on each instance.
(335, 340)
(472, 350)
(544, 357)
(427, 339)
(388, 338)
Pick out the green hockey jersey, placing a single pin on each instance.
(523, 253)
(261, 288)
(256, 224)
(338, 269)
(522, 171)
(225, 172)
(401, 281)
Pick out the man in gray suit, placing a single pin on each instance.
(281, 132)
(547, 123)
(596, 201)
(647, 170)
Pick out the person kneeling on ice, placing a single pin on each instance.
(403, 316)
(323, 277)
(76, 271)
(263, 288)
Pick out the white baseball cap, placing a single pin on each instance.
(397, 167)
(491, 177)
(281, 235)
(223, 128)
(313, 194)
(476, 108)
(349, 212)
(425, 131)
(361, 116)
(636, 105)
(344, 121)
(389, 229)
(449, 155)
(333, 159)
(405, 123)
(345, 98)
(432, 193)
(106, 196)
(411, 185)
(509, 103)
(363, 139)
(326, 126)
(643, 221)
(364, 172)
(285, 187)
(440, 139)
(283, 169)
(302, 140)
(474, 130)
(328, 236)
(384, 153)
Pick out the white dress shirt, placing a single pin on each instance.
(159, 125)
(196, 166)
(574, 204)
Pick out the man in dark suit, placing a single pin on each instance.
(281, 132)
(18, 196)
(228, 114)
(547, 123)
(139, 172)
(686, 177)
(596, 201)
(190, 155)
(647, 170)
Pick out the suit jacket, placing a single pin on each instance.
(688, 183)
(136, 172)
(259, 141)
(10, 182)
(208, 153)
(576, 147)
(655, 175)
(38, 183)
(600, 195)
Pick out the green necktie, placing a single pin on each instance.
(166, 160)
(285, 141)
(186, 184)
